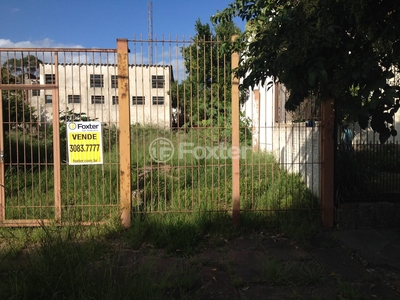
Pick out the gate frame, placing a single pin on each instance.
(56, 153)
(56, 138)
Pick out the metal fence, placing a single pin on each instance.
(177, 135)
(366, 170)
(42, 90)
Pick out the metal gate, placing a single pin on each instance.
(42, 90)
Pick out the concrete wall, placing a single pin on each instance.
(297, 149)
(74, 79)
(295, 146)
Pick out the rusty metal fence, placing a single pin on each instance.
(41, 91)
(178, 136)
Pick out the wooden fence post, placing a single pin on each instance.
(235, 141)
(56, 143)
(125, 133)
(327, 163)
(2, 177)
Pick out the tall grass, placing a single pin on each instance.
(103, 261)
(185, 182)
(73, 263)
(179, 205)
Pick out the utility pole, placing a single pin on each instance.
(150, 29)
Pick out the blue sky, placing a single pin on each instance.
(98, 23)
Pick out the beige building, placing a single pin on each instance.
(93, 89)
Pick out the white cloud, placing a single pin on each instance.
(45, 43)
(164, 54)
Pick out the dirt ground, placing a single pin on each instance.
(268, 267)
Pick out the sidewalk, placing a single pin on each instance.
(379, 247)
(357, 264)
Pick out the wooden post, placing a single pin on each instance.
(327, 163)
(56, 143)
(2, 178)
(235, 141)
(125, 133)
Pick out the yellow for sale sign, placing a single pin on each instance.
(85, 145)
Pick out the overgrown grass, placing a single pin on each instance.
(100, 261)
(77, 263)
(291, 273)
(186, 182)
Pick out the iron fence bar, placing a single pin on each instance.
(26, 223)
(12, 87)
(55, 50)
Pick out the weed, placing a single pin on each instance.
(184, 283)
(348, 291)
(311, 274)
(277, 272)
(291, 273)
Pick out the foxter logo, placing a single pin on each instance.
(88, 126)
(161, 150)
(72, 126)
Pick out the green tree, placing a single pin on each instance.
(16, 109)
(204, 97)
(343, 50)
(19, 69)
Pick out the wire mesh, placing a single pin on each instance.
(366, 170)
(32, 81)
(182, 149)
(188, 167)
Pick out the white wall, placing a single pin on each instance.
(297, 149)
(74, 79)
(369, 136)
(295, 146)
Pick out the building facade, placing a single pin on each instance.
(93, 89)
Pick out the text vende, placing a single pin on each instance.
(84, 136)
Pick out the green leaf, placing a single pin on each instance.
(388, 118)
(363, 121)
(312, 76)
(384, 136)
(378, 124)
(324, 75)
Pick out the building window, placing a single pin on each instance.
(157, 100)
(35, 93)
(138, 100)
(115, 100)
(157, 81)
(97, 99)
(48, 99)
(74, 98)
(96, 80)
(50, 78)
(114, 81)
